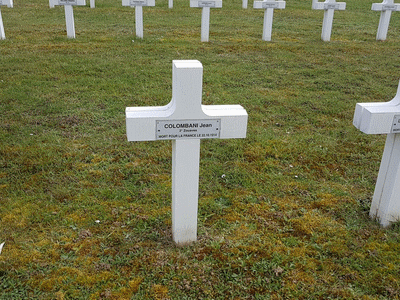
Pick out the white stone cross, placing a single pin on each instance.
(92, 4)
(170, 3)
(244, 4)
(185, 121)
(386, 8)
(268, 6)
(205, 15)
(329, 6)
(69, 13)
(384, 118)
(138, 5)
(9, 3)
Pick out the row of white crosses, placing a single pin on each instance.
(329, 7)
(9, 3)
(185, 121)
(384, 118)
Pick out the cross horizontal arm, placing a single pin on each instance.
(206, 3)
(385, 6)
(329, 5)
(141, 123)
(133, 3)
(269, 4)
(377, 117)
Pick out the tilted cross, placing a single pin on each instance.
(386, 8)
(185, 121)
(9, 3)
(384, 118)
(329, 6)
(69, 13)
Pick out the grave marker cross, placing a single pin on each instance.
(9, 3)
(138, 5)
(329, 6)
(386, 8)
(384, 118)
(185, 121)
(69, 13)
(268, 6)
(205, 15)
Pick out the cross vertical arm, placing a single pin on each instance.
(69, 21)
(2, 33)
(9, 3)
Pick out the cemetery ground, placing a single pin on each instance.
(283, 214)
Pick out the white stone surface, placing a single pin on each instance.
(329, 6)
(205, 15)
(92, 4)
(268, 7)
(377, 117)
(384, 118)
(185, 107)
(386, 8)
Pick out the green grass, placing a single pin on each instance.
(86, 214)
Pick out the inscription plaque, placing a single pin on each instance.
(206, 3)
(138, 3)
(389, 7)
(332, 6)
(188, 129)
(396, 124)
(270, 5)
(67, 2)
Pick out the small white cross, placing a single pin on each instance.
(386, 8)
(185, 121)
(205, 15)
(69, 13)
(138, 5)
(9, 3)
(384, 118)
(329, 6)
(92, 4)
(268, 6)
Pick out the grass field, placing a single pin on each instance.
(283, 214)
